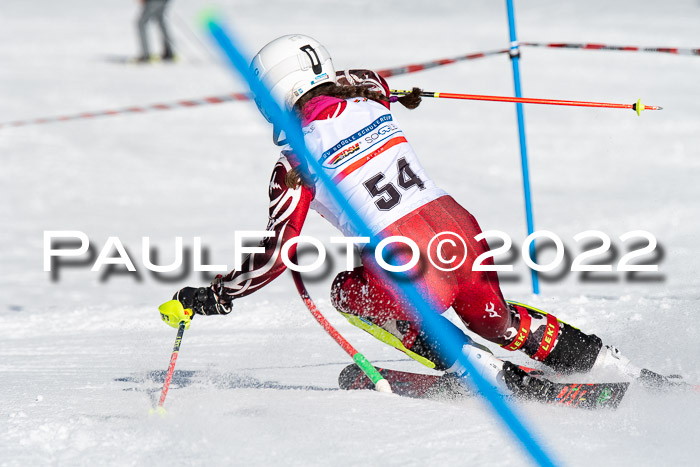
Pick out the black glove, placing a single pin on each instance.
(202, 301)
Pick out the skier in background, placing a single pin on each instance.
(348, 126)
(154, 9)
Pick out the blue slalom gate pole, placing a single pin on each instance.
(514, 57)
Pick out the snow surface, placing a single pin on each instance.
(83, 359)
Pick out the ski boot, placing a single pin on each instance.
(506, 378)
(525, 386)
(486, 365)
(544, 338)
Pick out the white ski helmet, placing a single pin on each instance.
(291, 66)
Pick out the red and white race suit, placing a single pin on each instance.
(363, 150)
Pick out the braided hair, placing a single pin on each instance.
(410, 101)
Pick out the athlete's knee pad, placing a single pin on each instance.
(555, 343)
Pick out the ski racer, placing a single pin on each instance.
(349, 127)
(154, 10)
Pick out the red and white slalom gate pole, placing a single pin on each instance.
(625, 48)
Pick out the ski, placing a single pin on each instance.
(416, 385)
(659, 383)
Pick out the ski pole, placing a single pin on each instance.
(637, 106)
(171, 369)
(380, 384)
